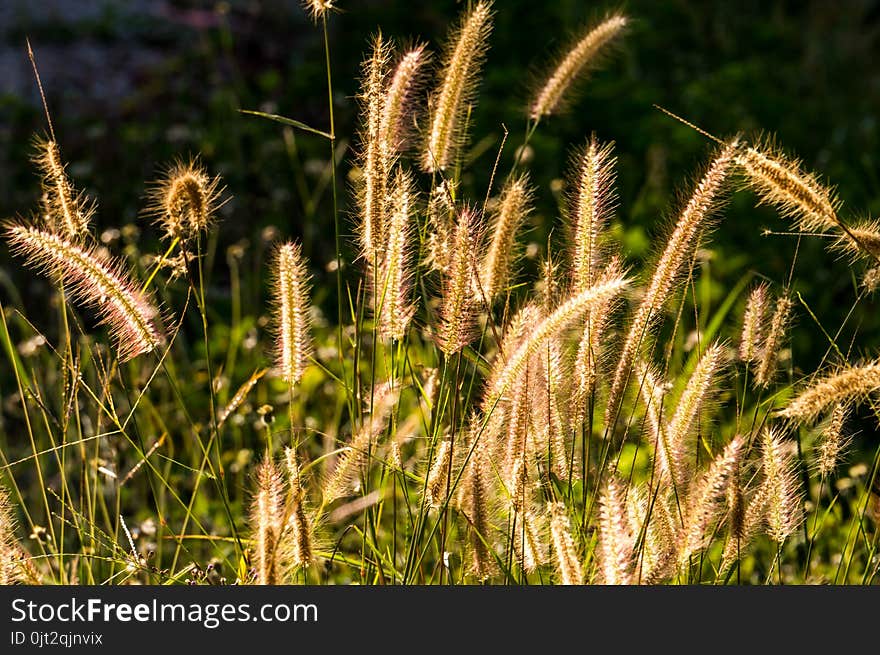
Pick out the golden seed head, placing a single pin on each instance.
(185, 200)
(456, 95)
(849, 385)
(95, 281)
(583, 56)
(68, 211)
(754, 323)
(567, 560)
(693, 221)
(511, 212)
(293, 342)
(779, 181)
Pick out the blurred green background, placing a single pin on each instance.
(132, 85)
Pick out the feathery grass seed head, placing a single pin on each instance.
(849, 385)
(185, 200)
(95, 281)
(68, 211)
(583, 56)
(512, 210)
(456, 94)
(293, 343)
(693, 221)
(754, 319)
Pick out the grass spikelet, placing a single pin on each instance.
(567, 562)
(68, 211)
(475, 506)
(692, 222)
(318, 9)
(754, 319)
(779, 181)
(591, 205)
(239, 397)
(396, 306)
(299, 523)
(652, 392)
(782, 490)
(458, 306)
(550, 398)
(615, 534)
(290, 297)
(707, 500)
(15, 564)
(266, 521)
(528, 543)
(343, 481)
(185, 199)
(766, 368)
(742, 532)
(591, 357)
(437, 487)
(834, 441)
(681, 427)
(860, 239)
(583, 56)
(373, 180)
(513, 208)
(441, 228)
(849, 385)
(552, 326)
(457, 92)
(396, 123)
(95, 281)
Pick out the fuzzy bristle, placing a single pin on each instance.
(754, 321)
(680, 431)
(779, 181)
(512, 211)
(293, 343)
(782, 489)
(693, 221)
(616, 539)
(318, 9)
(860, 239)
(396, 123)
(266, 522)
(299, 523)
(15, 564)
(373, 179)
(583, 56)
(592, 352)
(834, 441)
(591, 206)
(475, 495)
(707, 499)
(437, 486)
(395, 303)
(95, 281)
(344, 479)
(68, 211)
(553, 325)
(766, 364)
(455, 97)
(567, 561)
(185, 200)
(458, 306)
(849, 385)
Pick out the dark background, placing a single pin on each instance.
(131, 85)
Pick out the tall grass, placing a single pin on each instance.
(457, 421)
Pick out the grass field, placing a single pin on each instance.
(449, 400)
